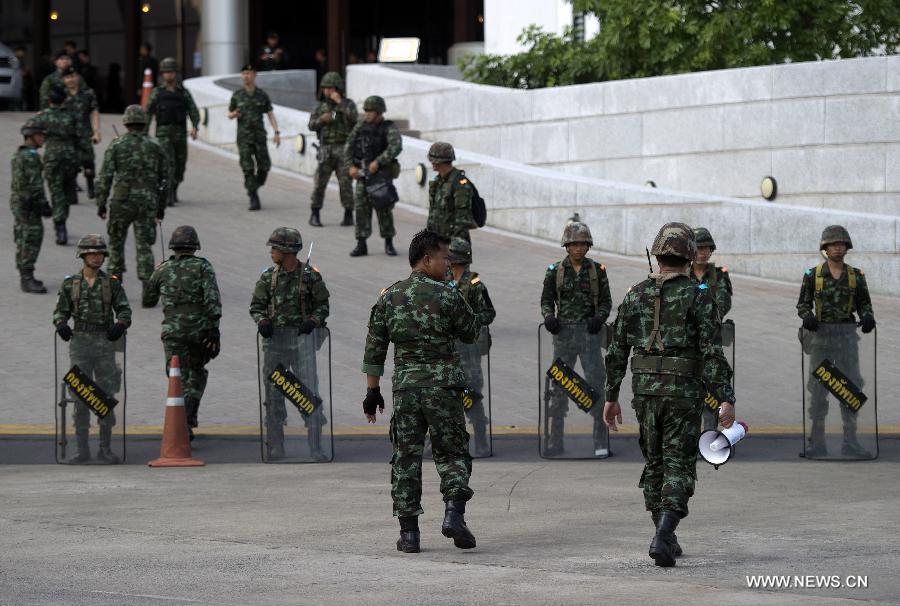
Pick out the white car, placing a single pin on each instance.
(10, 78)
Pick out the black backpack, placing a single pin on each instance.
(479, 210)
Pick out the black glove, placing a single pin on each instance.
(44, 209)
(552, 324)
(867, 323)
(101, 211)
(307, 327)
(373, 400)
(64, 332)
(594, 325)
(266, 330)
(115, 332)
(212, 341)
(810, 323)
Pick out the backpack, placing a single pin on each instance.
(479, 210)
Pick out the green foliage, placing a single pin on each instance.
(657, 37)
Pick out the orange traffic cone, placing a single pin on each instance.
(176, 447)
(146, 87)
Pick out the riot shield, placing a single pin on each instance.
(295, 396)
(840, 395)
(572, 377)
(710, 403)
(475, 360)
(89, 393)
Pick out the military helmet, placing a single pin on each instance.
(57, 94)
(835, 233)
(441, 152)
(703, 238)
(332, 80)
(374, 104)
(460, 251)
(169, 64)
(184, 237)
(33, 125)
(134, 114)
(91, 243)
(576, 231)
(286, 239)
(675, 239)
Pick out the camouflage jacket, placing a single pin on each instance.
(422, 318)
(27, 183)
(574, 300)
(336, 131)
(54, 78)
(380, 142)
(290, 298)
(689, 329)
(191, 302)
(134, 165)
(450, 205)
(91, 307)
(172, 107)
(834, 301)
(82, 104)
(719, 283)
(61, 142)
(476, 295)
(253, 107)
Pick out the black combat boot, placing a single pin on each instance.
(676, 548)
(254, 202)
(409, 534)
(314, 218)
(816, 446)
(361, 249)
(851, 447)
(662, 548)
(29, 284)
(83, 454)
(105, 454)
(454, 526)
(389, 249)
(62, 236)
(348, 217)
(145, 284)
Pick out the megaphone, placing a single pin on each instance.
(717, 447)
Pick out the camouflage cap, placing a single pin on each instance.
(332, 80)
(576, 231)
(286, 239)
(248, 67)
(374, 104)
(169, 64)
(703, 238)
(441, 152)
(184, 237)
(460, 251)
(835, 233)
(675, 239)
(32, 126)
(57, 94)
(91, 243)
(134, 114)
(70, 70)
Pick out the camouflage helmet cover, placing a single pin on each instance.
(332, 80)
(169, 64)
(576, 231)
(134, 114)
(460, 251)
(374, 104)
(184, 237)
(286, 239)
(835, 233)
(441, 151)
(703, 238)
(91, 243)
(32, 125)
(675, 239)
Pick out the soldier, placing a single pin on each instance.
(576, 290)
(191, 312)
(833, 297)
(248, 105)
(423, 316)
(55, 78)
(172, 104)
(133, 176)
(290, 299)
(83, 103)
(476, 295)
(675, 326)
(332, 120)
(99, 307)
(61, 159)
(449, 195)
(373, 145)
(28, 204)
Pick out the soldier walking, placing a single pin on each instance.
(673, 326)
(423, 317)
(61, 159)
(191, 311)
(332, 120)
(449, 195)
(82, 101)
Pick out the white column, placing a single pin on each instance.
(222, 25)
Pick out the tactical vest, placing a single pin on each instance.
(181, 302)
(593, 276)
(820, 285)
(105, 294)
(371, 140)
(130, 145)
(171, 107)
(305, 289)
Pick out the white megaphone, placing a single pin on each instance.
(717, 447)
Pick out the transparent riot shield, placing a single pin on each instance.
(295, 396)
(89, 396)
(572, 376)
(475, 360)
(840, 396)
(710, 403)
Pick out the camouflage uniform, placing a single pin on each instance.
(61, 161)
(172, 108)
(134, 177)
(191, 311)
(251, 136)
(28, 204)
(83, 103)
(332, 138)
(54, 79)
(574, 301)
(449, 197)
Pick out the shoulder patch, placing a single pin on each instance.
(384, 290)
(551, 267)
(451, 284)
(114, 277)
(602, 267)
(315, 269)
(724, 269)
(476, 280)
(861, 272)
(463, 181)
(809, 272)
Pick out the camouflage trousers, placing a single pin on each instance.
(364, 216)
(192, 360)
(86, 156)
(254, 159)
(62, 187)
(173, 140)
(28, 231)
(439, 412)
(297, 353)
(571, 344)
(470, 359)
(332, 161)
(122, 214)
(96, 357)
(843, 351)
(669, 430)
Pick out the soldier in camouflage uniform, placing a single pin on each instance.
(332, 120)
(449, 195)
(832, 293)
(423, 317)
(61, 159)
(575, 303)
(673, 325)
(83, 103)
(191, 311)
(133, 178)
(98, 305)
(373, 145)
(172, 104)
(28, 204)
(476, 295)
(248, 105)
(290, 301)
(55, 78)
